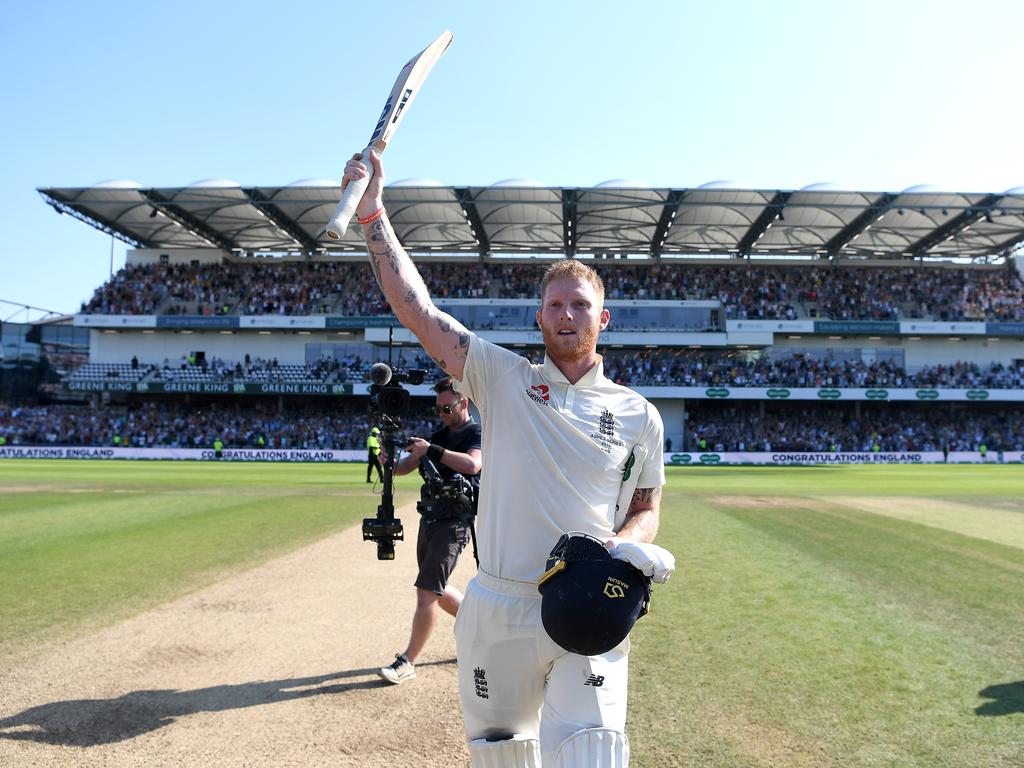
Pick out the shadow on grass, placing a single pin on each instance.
(91, 722)
(1007, 699)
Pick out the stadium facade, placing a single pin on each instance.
(788, 316)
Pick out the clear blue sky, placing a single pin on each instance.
(865, 94)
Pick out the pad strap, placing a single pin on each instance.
(594, 748)
(515, 752)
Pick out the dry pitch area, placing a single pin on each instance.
(273, 667)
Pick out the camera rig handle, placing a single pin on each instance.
(385, 529)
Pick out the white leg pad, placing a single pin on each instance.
(594, 748)
(516, 752)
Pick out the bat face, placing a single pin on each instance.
(383, 121)
(384, 125)
(404, 90)
(401, 105)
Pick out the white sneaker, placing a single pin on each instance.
(401, 670)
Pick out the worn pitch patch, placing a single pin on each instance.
(1002, 526)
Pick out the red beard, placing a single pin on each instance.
(559, 348)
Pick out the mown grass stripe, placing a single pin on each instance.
(73, 561)
(803, 629)
(787, 631)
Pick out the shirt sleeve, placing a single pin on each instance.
(473, 439)
(465, 440)
(652, 473)
(486, 363)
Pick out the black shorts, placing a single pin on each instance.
(438, 546)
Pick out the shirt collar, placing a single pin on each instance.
(590, 378)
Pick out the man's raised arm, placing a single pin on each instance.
(443, 337)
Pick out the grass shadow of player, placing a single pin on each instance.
(1007, 699)
(91, 722)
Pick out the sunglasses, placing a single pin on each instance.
(439, 409)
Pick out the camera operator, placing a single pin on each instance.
(444, 523)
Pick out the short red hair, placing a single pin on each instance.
(573, 270)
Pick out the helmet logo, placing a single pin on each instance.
(592, 610)
(614, 588)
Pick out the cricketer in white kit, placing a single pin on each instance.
(566, 449)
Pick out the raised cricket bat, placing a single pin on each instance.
(402, 93)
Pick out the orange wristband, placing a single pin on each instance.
(372, 217)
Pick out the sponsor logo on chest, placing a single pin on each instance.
(539, 393)
(605, 433)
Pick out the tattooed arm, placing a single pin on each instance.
(641, 523)
(443, 337)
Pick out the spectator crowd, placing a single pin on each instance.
(709, 426)
(180, 425)
(663, 367)
(256, 286)
(353, 368)
(263, 287)
(840, 429)
(696, 368)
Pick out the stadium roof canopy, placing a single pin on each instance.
(520, 217)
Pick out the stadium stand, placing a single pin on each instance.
(756, 320)
(676, 367)
(179, 425)
(666, 367)
(733, 428)
(745, 292)
(843, 429)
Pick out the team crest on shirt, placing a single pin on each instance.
(539, 393)
(605, 435)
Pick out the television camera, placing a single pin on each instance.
(389, 400)
(440, 498)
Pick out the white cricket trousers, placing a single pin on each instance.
(514, 679)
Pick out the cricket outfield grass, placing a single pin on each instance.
(820, 616)
(83, 544)
(836, 616)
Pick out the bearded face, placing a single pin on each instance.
(570, 319)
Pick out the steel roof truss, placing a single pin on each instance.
(282, 220)
(859, 224)
(93, 220)
(476, 224)
(668, 214)
(187, 220)
(570, 221)
(1007, 247)
(955, 225)
(771, 212)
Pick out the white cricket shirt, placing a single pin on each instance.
(555, 456)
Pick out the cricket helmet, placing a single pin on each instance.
(590, 600)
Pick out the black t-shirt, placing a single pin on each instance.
(463, 440)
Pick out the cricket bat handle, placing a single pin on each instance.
(350, 198)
